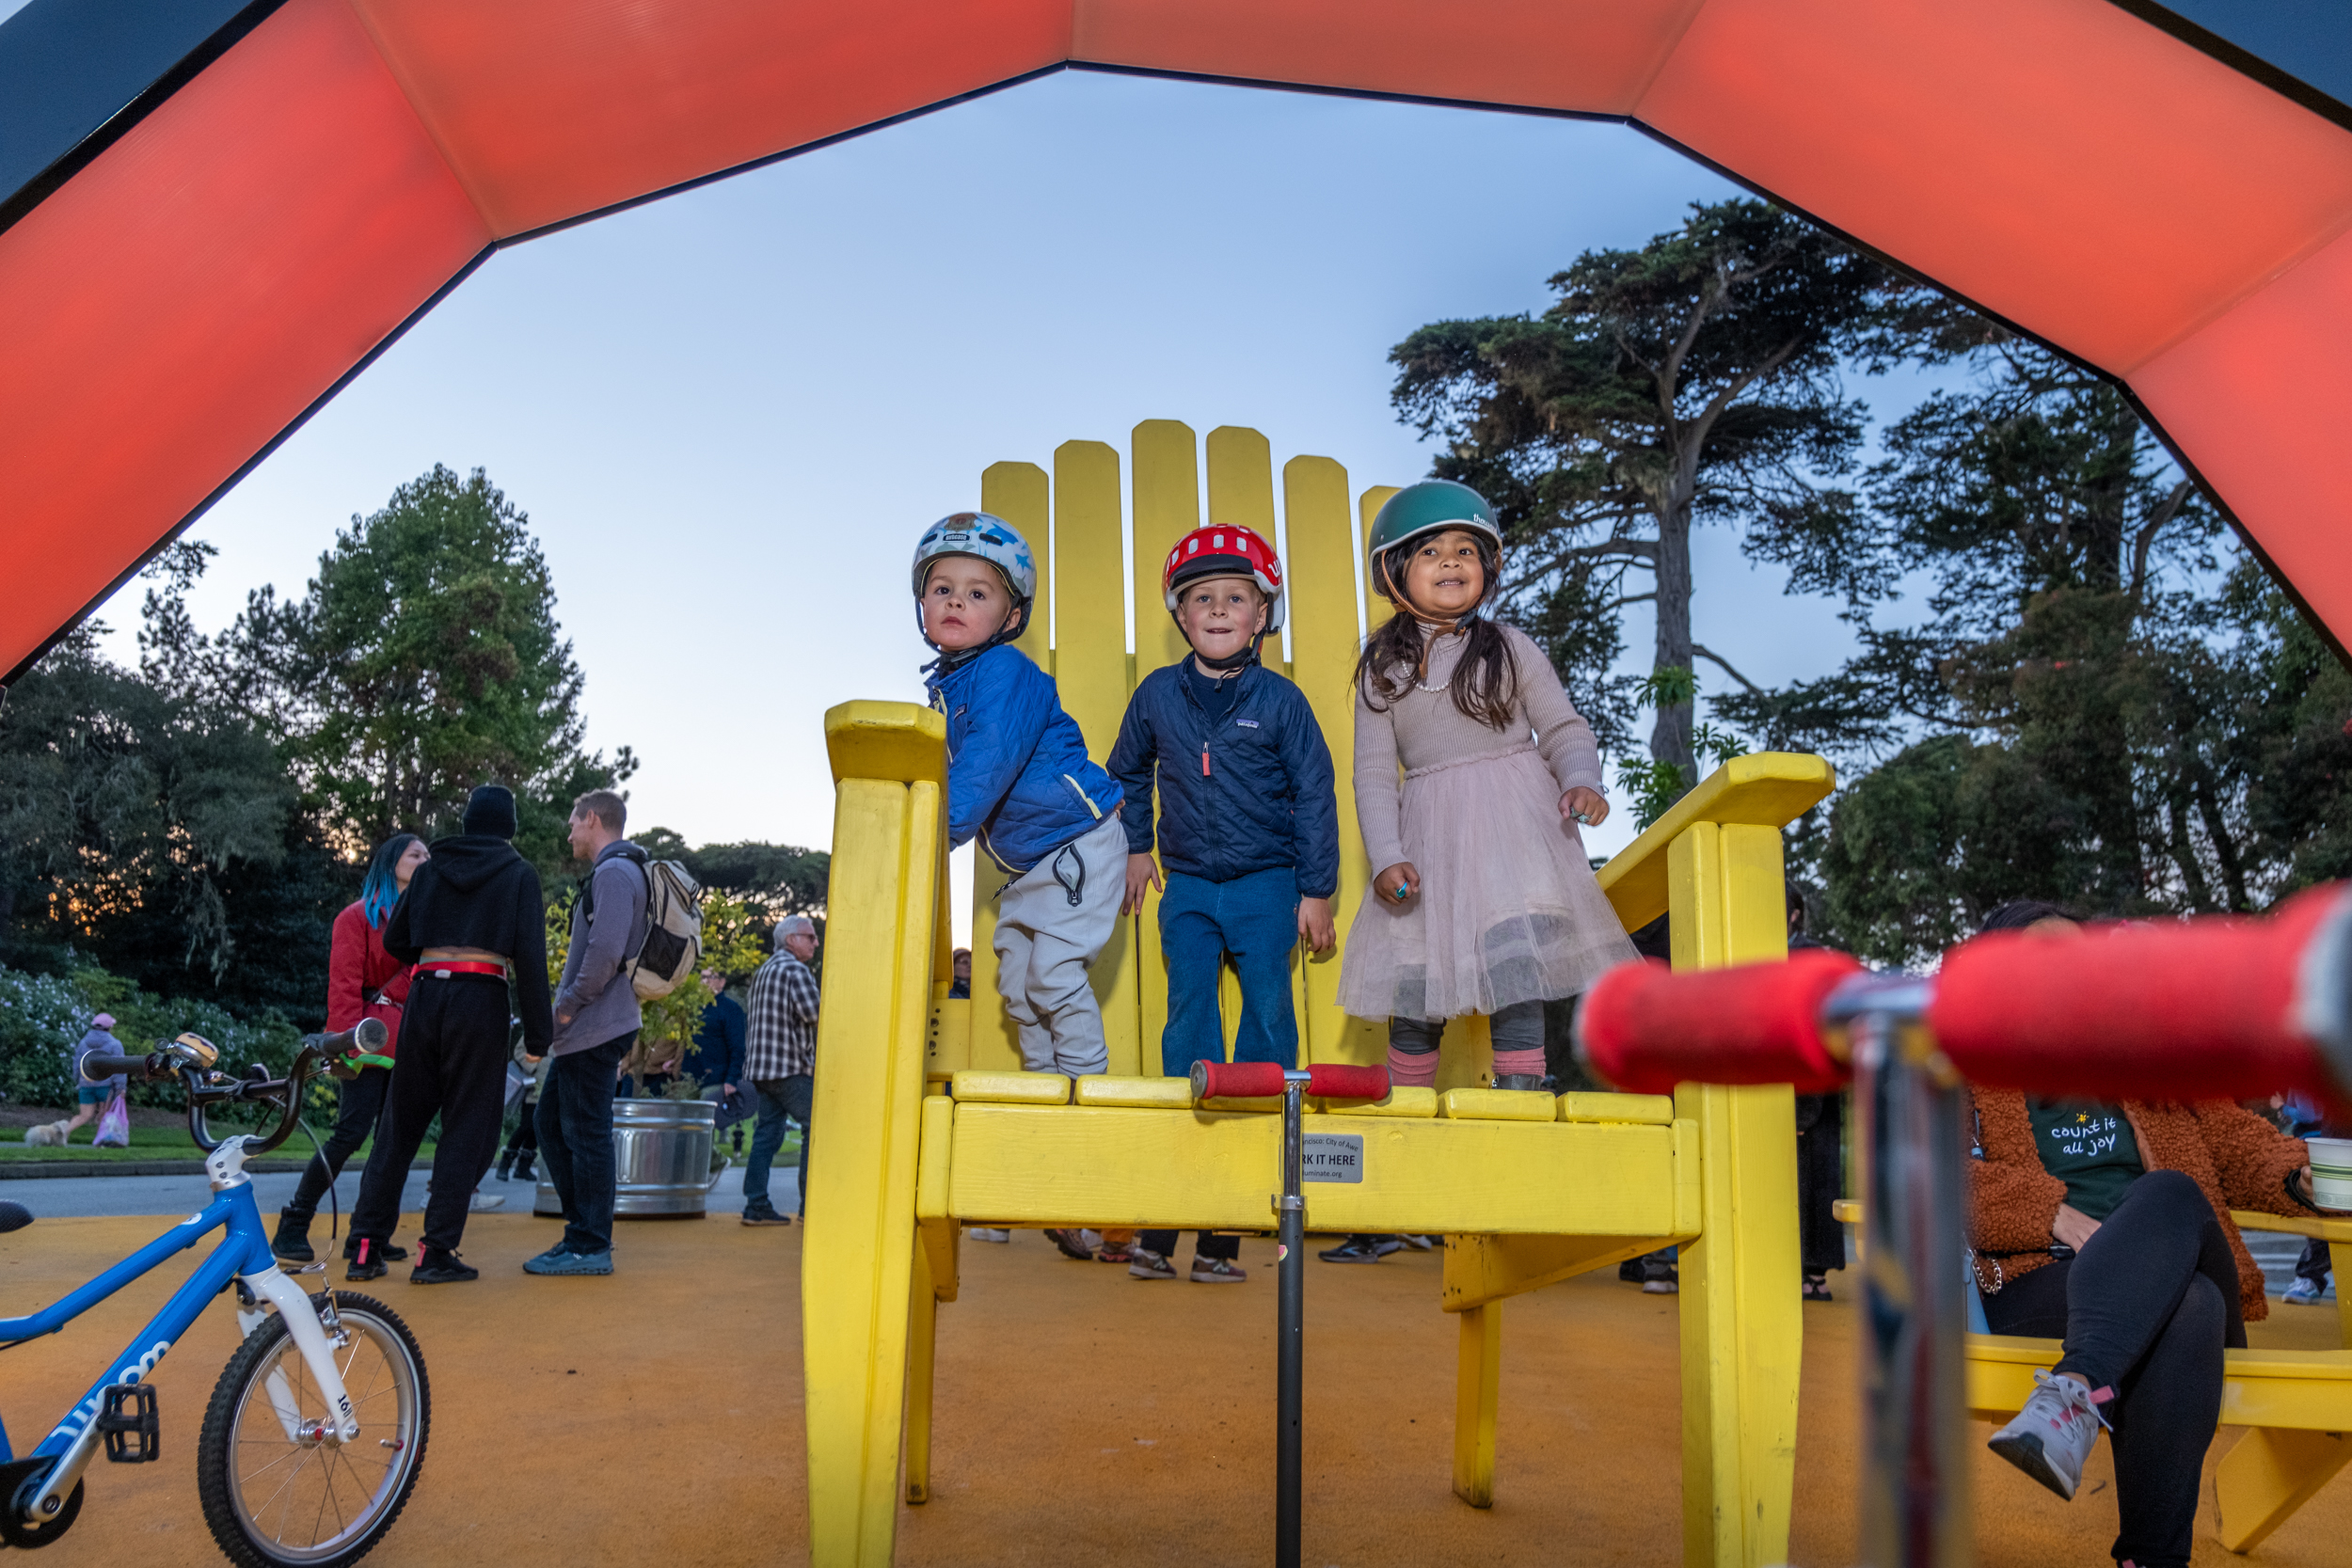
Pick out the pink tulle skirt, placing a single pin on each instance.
(1508, 910)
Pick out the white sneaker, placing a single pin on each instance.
(481, 1203)
(986, 1233)
(2305, 1292)
(2053, 1434)
(1091, 1239)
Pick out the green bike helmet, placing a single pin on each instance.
(1426, 508)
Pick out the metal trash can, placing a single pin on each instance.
(661, 1158)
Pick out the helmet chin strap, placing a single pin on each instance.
(1008, 632)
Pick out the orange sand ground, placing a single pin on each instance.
(1084, 1417)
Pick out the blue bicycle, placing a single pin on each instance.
(316, 1429)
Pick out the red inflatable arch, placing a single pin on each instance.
(288, 191)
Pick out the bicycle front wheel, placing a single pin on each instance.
(278, 1491)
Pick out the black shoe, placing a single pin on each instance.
(522, 1168)
(1361, 1249)
(1630, 1271)
(293, 1240)
(506, 1166)
(367, 1263)
(383, 1250)
(436, 1267)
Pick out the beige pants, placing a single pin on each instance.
(1051, 923)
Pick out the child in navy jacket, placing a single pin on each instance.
(1019, 780)
(1249, 829)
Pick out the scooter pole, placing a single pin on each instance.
(1258, 1081)
(1291, 1273)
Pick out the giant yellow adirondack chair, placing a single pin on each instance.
(929, 1125)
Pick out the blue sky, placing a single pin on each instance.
(733, 411)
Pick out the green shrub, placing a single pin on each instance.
(42, 1017)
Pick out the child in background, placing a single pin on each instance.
(1484, 901)
(1249, 827)
(1020, 782)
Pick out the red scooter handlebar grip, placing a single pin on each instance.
(2201, 1009)
(1645, 1028)
(1333, 1082)
(1235, 1080)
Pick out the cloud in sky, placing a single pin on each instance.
(737, 407)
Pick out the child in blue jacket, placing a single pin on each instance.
(1248, 826)
(1020, 782)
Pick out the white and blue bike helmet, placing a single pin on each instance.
(988, 538)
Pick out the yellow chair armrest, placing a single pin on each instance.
(2326, 1227)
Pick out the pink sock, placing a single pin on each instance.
(1409, 1069)
(1527, 1062)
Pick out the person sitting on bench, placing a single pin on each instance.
(2109, 1226)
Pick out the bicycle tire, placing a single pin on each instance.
(243, 1431)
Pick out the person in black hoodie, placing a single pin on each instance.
(473, 915)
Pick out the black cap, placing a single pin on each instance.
(490, 809)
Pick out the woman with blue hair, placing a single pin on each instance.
(362, 981)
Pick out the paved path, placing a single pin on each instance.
(94, 1195)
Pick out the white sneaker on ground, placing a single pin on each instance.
(481, 1203)
(987, 1233)
(2053, 1434)
(2305, 1292)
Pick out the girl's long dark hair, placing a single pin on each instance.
(1485, 681)
(381, 890)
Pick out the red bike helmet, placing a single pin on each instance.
(1223, 550)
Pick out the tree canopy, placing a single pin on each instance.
(1696, 379)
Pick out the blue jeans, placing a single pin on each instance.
(1254, 918)
(576, 1139)
(778, 1098)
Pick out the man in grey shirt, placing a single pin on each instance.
(597, 1019)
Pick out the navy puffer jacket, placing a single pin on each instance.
(1249, 794)
(1019, 778)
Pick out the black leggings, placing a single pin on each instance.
(2145, 1309)
(360, 1107)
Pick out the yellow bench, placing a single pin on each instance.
(2297, 1404)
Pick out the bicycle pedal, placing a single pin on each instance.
(134, 1436)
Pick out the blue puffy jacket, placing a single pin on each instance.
(1018, 775)
(1252, 794)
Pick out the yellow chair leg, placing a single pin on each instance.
(2272, 1472)
(1477, 1386)
(1742, 1322)
(922, 1343)
(858, 1253)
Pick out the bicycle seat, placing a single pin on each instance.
(13, 1216)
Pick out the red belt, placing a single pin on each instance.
(462, 966)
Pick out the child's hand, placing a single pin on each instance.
(1585, 806)
(1143, 873)
(1398, 883)
(1314, 924)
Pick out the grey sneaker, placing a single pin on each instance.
(1148, 1265)
(557, 1260)
(987, 1233)
(1217, 1271)
(2054, 1434)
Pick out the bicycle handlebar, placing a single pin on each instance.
(2214, 1008)
(209, 1088)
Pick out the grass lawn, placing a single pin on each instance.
(160, 1142)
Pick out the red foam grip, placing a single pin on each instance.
(1347, 1083)
(1235, 1080)
(2195, 1009)
(1646, 1029)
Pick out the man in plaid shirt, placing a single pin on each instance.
(780, 1061)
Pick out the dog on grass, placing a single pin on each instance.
(49, 1134)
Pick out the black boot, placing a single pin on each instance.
(506, 1166)
(436, 1267)
(367, 1263)
(522, 1164)
(385, 1250)
(293, 1240)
